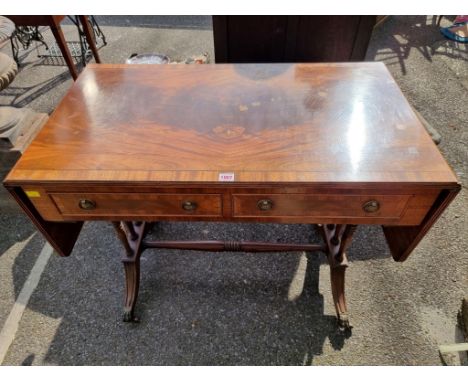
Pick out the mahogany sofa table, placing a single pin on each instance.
(333, 145)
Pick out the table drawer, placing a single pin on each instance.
(133, 204)
(320, 205)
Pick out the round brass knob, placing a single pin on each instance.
(86, 204)
(265, 204)
(189, 206)
(371, 206)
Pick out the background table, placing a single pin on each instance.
(53, 21)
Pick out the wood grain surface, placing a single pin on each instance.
(334, 123)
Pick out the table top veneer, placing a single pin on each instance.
(266, 123)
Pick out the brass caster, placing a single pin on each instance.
(129, 317)
(343, 323)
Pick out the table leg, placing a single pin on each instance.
(337, 276)
(337, 239)
(132, 285)
(90, 37)
(59, 37)
(131, 235)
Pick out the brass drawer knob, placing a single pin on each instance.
(371, 206)
(86, 204)
(189, 206)
(265, 204)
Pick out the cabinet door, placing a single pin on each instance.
(291, 38)
(328, 38)
(249, 38)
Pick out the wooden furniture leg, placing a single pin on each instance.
(59, 37)
(90, 37)
(132, 284)
(131, 235)
(337, 276)
(337, 239)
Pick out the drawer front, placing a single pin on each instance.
(128, 204)
(322, 205)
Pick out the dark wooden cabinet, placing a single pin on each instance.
(291, 38)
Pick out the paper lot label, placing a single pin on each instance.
(226, 177)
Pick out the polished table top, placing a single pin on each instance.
(300, 123)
